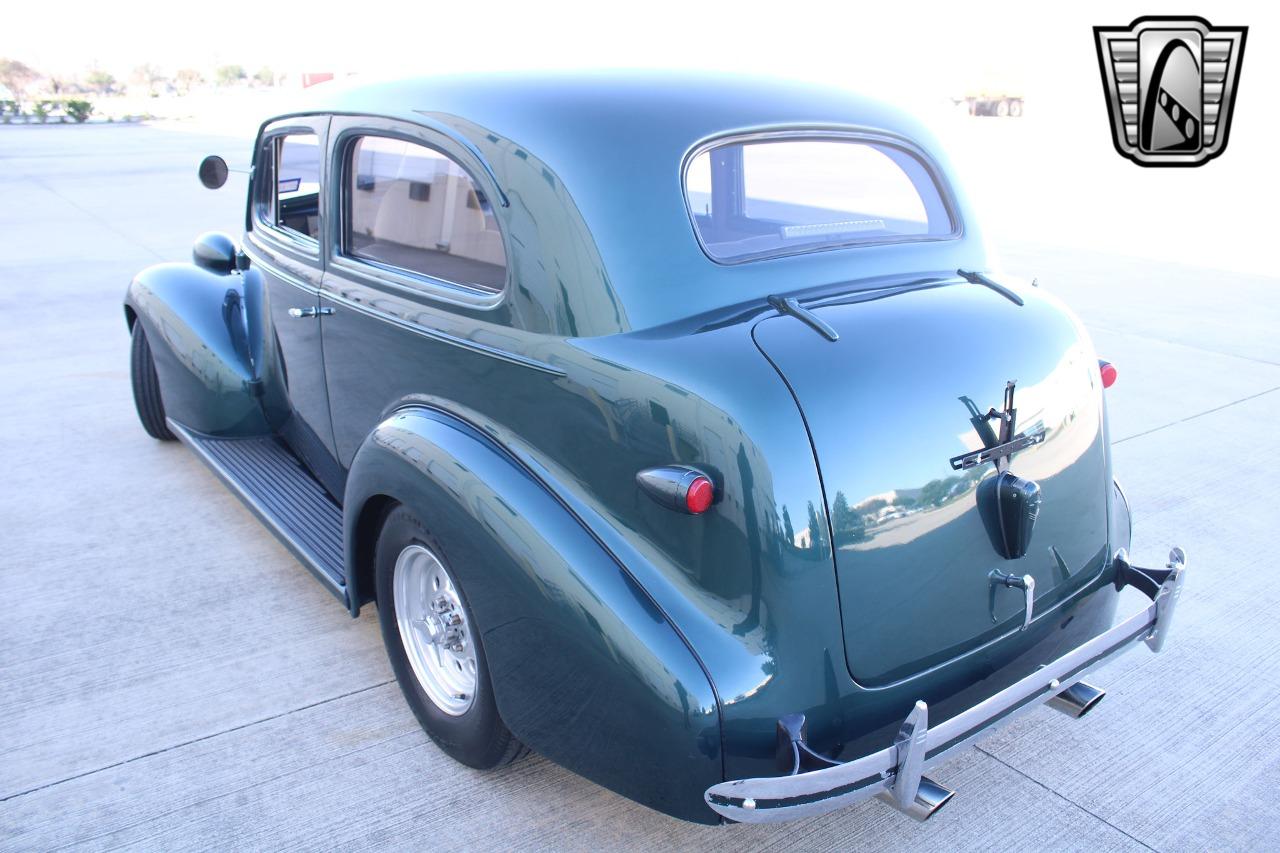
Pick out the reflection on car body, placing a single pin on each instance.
(633, 402)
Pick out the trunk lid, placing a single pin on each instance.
(888, 406)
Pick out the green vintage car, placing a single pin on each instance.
(679, 427)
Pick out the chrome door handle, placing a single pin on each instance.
(298, 313)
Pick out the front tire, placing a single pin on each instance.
(146, 387)
(434, 646)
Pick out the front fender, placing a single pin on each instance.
(587, 670)
(205, 334)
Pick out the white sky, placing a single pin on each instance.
(1052, 175)
(824, 40)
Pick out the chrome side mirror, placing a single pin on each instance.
(213, 171)
(215, 252)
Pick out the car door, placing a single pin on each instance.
(285, 241)
(416, 278)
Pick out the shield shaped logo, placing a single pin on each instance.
(1170, 85)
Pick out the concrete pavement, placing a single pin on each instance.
(171, 678)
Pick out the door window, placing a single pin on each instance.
(414, 209)
(292, 200)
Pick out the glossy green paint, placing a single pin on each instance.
(587, 669)
(647, 650)
(196, 322)
(910, 369)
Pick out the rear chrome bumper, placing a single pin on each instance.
(896, 773)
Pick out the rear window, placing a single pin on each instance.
(767, 197)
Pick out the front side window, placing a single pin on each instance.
(768, 197)
(413, 208)
(293, 202)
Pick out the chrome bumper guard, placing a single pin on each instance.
(896, 774)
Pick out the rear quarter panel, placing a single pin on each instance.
(587, 669)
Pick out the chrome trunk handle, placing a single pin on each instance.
(1026, 583)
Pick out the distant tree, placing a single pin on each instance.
(16, 76)
(187, 79)
(935, 492)
(265, 77)
(817, 528)
(148, 75)
(78, 110)
(229, 75)
(100, 81)
(848, 525)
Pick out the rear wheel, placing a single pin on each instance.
(146, 387)
(434, 646)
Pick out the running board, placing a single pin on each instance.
(280, 491)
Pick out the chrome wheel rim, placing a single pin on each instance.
(434, 630)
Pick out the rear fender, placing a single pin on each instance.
(209, 337)
(587, 670)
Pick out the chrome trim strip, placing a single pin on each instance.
(423, 134)
(417, 285)
(773, 799)
(445, 337)
(283, 275)
(431, 121)
(298, 549)
(433, 334)
(283, 238)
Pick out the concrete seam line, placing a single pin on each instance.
(200, 739)
(1198, 415)
(1064, 798)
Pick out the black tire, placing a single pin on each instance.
(146, 387)
(477, 738)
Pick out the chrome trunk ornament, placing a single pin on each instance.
(1008, 504)
(996, 448)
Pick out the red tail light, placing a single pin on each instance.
(700, 495)
(1109, 373)
(678, 487)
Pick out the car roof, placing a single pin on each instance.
(617, 140)
(590, 105)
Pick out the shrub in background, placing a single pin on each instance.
(78, 110)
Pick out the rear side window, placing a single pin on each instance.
(762, 198)
(294, 197)
(414, 209)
